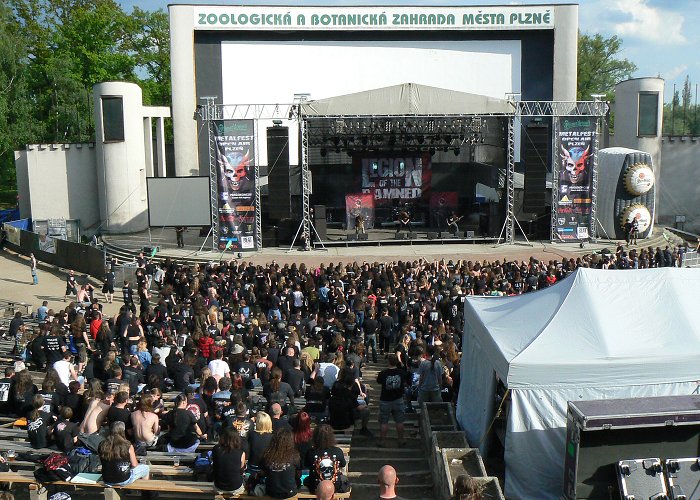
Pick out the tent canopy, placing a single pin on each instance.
(595, 328)
(599, 334)
(407, 99)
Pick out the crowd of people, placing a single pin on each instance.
(267, 361)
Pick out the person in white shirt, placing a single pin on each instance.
(65, 369)
(219, 368)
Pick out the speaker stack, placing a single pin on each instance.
(319, 221)
(279, 200)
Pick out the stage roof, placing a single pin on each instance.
(407, 99)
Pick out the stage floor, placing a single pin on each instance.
(389, 237)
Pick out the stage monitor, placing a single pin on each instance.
(178, 201)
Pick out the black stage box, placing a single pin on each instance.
(601, 433)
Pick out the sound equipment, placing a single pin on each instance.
(278, 174)
(351, 237)
(319, 221)
(536, 158)
(602, 433)
(433, 236)
(683, 476)
(641, 478)
(469, 234)
(401, 236)
(362, 237)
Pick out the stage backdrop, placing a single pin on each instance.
(405, 178)
(575, 146)
(235, 156)
(359, 204)
(442, 204)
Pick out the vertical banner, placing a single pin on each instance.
(575, 144)
(235, 154)
(359, 205)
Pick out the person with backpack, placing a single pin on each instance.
(118, 457)
(326, 461)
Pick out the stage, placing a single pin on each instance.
(389, 237)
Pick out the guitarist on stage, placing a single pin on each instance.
(452, 221)
(404, 223)
(359, 224)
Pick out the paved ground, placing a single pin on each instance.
(16, 284)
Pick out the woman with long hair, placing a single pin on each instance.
(38, 422)
(228, 462)
(119, 464)
(430, 377)
(281, 465)
(302, 432)
(276, 391)
(24, 391)
(259, 439)
(325, 459)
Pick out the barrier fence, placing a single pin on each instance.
(81, 258)
(691, 259)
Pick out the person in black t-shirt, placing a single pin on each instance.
(326, 460)
(119, 464)
(184, 431)
(391, 403)
(65, 432)
(6, 391)
(280, 465)
(38, 424)
(296, 378)
(53, 346)
(118, 412)
(228, 462)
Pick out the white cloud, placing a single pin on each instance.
(674, 73)
(650, 23)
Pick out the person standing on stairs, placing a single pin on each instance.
(388, 479)
(391, 403)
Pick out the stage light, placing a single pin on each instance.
(445, 149)
(336, 140)
(276, 123)
(323, 152)
(337, 149)
(447, 138)
(364, 140)
(420, 139)
(456, 151)
(431, 151)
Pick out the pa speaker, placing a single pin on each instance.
(278, 177)
(433, 236)
(362, 237)
(319, 212)
(536, 159)
(401, 236)
(321, 228)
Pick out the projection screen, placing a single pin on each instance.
(178, 201)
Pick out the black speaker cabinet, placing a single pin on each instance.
(320, 212)
(401, 236)
(362, 237)
(433, 236)
(278, 174)
(536, 159)
(601, 433)
(321, 228)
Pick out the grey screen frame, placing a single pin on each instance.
(179, 201)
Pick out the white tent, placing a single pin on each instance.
(598, 334)
(408, 99)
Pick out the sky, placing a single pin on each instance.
(658, 35)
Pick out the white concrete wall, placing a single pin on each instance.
(565, 52)
(679, 190)
(183, 89)
(121, 165)
(63, 181)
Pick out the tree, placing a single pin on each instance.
(599, 65)
(149, 41)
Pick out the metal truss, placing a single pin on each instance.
(281, 111)
(209, 114)
(555, 181)
(561, 108)
(305, 182)
(593, 229)
(510, 183)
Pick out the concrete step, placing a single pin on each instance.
(406, 478)
(413, 492)
(404, 464)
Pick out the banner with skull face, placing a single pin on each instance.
(575, 145)
(235, 157)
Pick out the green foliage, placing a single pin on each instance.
(52, 52)
(682, 114)
(599, 65)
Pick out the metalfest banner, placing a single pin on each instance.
(235, 157)
(387, 179)
(359, 204)
(575, 146)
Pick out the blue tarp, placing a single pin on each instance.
(23, 224)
